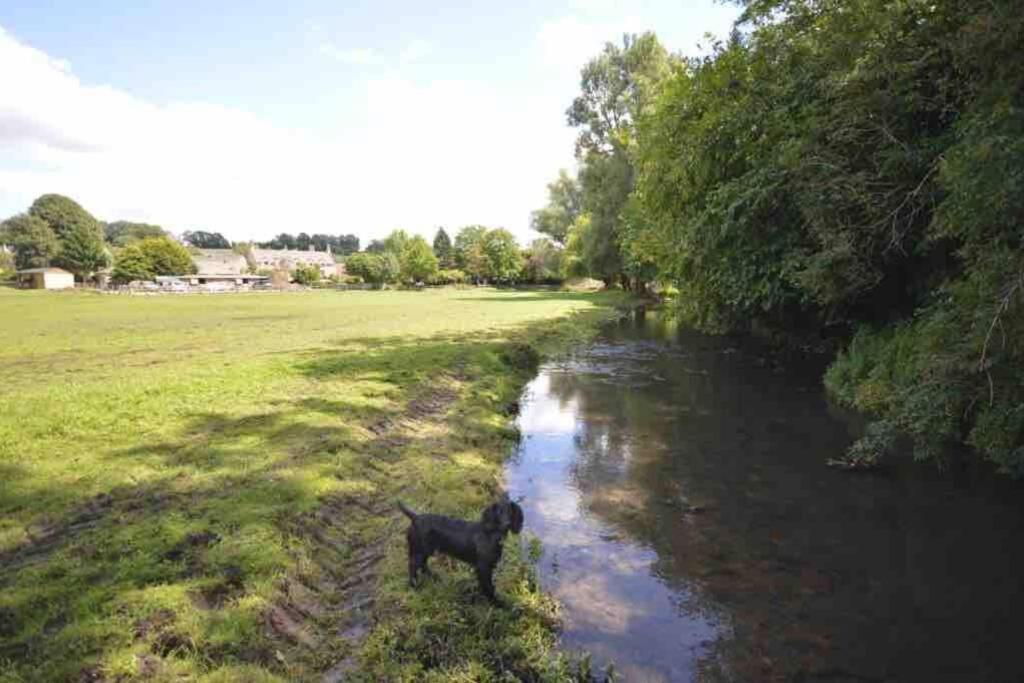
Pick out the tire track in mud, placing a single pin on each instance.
(328, 607)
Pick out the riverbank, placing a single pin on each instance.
(204, 487)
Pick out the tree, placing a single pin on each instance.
(83, 251)
(502, 256)
(395, 242)
(35, 244)
(164, 256)
(205, 240)
(62, 214)
(282, 241)
(375, 247)
(302, 241)
(306, 274)
(469, 253)
(366, 266)
(543, 261)
(131, 264)
(6, 259)
(418, 262)
(347, 244)
(618, 87)
(565, 204)
(443, 249)
(123, 233)
(390, 267)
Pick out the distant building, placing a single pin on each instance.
(46, 278)
(290, 259)
(222, 262)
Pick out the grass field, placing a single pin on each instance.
(202, 487)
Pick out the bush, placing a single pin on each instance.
(452, 276)
(307, 275)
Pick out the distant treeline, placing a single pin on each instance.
(339, 244)
(844, 168)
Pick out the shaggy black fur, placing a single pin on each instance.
(477, 543)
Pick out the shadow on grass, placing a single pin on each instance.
(222, 519)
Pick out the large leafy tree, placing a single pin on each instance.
(565, 204)
(123, 233)
(395, 242)
(201, 239)
(504, 261)
(83, 251)
(367, 266)
(166, 257)
(34, 242)
(131, 264)
(617, 88)
(418, 262)
(543, 261)
(469, 251)
(855, 164)
(62, 214)
(443, 249)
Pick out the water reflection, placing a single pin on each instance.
(692, 532)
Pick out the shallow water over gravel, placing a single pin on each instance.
(692, 531)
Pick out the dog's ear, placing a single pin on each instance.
(491, 517)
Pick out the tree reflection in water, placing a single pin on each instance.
(692, 531)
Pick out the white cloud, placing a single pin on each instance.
(415, 51)
(433, 153)
(359, 56)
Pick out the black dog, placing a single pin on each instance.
(478, 543)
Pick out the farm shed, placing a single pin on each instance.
(46, 278)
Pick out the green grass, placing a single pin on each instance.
(201, 487)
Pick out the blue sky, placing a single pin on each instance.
(253, 118)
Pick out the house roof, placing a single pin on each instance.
(32, 271)
(322, 258)
(219, 262)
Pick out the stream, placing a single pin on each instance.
(692, 532)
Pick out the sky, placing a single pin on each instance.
(252, 118)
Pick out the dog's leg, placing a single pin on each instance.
(414, 558)
(485, 577)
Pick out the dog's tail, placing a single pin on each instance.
(406, 511)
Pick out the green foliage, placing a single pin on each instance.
(205, 240)
(306, 274)
(450, 276)
(395, 242)
(164, 256)
(123, 233)
(390, 267)
(7, 266)
(131, 264)
(504, 262)
(341, 245)
(565, 204)
(83, 251)
(618, 87)
(417, 260)
(443, 249)
(469, 251)
(543, 261)
(62, 214)
(366, 266)
(34, 243)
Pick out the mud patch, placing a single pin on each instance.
(327, 608)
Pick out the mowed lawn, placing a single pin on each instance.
(202, 487)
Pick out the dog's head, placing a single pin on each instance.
(503, 516)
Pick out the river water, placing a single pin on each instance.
(692, 532)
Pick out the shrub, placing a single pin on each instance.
(307, 275)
